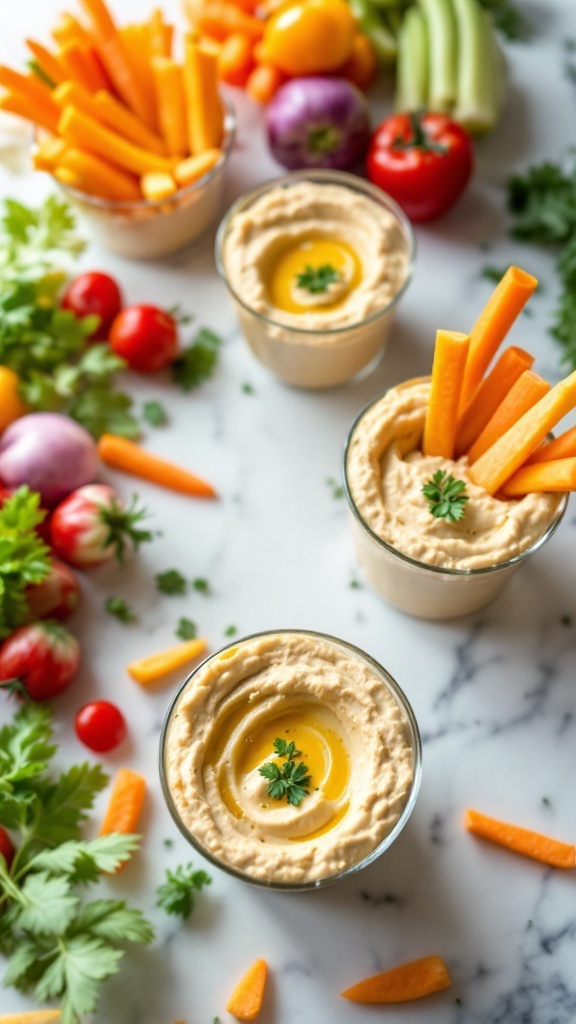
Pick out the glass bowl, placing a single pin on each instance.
(147, 229)
(316, 358)
(408, 723)
(422, 590)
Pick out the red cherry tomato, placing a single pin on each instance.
(424, 161)
(6, 847)
(42, 657)
(100, 726)
(97, 293)
(146, 337)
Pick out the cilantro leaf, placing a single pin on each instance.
(84, 861)
(113, 921)
(317, 279)
(176, 894)
(198, 362)
(24, 557)
(47, 904)
(201, 585)
(65, 803)
(120, 609)
(154, 413)
(509, 19)
(186, 629)
(171, 582)
(78, 965)
(445, 496)
(25, 747)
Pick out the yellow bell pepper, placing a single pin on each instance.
(11, 405)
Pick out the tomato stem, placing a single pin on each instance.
(420, 138)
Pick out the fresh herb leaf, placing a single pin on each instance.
(201, 585)
(491, 273)
(186, 629)
(247, 388)
(287, 750)
(120, 609)
(155, 414)
(508, 18)
(290, 780)
(446, 496)
(176, 894)
(24, 557)
(230, 631)
(171, 582)
(336, 488)
(317, 279)
(198, 362)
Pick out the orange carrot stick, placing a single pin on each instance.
(263, 83)
(47, 61)
(17, 103)
(220, 18)
(156, 187)
(86, 133)
(69, 30)
(136, 42)
(246, 1000)
(489, 394)
(509, 452)
(123, 454)
(554, 477)
(32, 1017)
(106, 109)
(195, 167)
(504, 305)
(157, 36)
(171, 104)
(31, 89)
(48, 153)
(563, 447)
(402, 984)
(80, 66)
(521, 840)
(528, 389)
(147, 671)
(205, 115)
(125, 805)
(235, 60)
(450, 354)
(97, 177)
(114, 57)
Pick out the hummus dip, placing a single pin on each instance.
(386, 472)
(275, 249)
(349, 729)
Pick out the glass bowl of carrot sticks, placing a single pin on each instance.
(454, 481)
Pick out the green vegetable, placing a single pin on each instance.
(477, 107)
(24, 557)
(317, 279)
(59, 946)
(412, 68)
(291, 780)
(442, 54)
(176, 894)
(155, 414)
(372, 22)
(171, 582)
(508, 18)
(198, 362)
(45, 345)
(202, 585)
(446, 496)
(119, 608)
(186, 629)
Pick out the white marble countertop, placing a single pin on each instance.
(494, 693)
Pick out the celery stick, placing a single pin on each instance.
(373, 25)
(441, 24)
(476, 101)
(412, 68)
(499, 71)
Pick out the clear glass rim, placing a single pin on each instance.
(436, 569)
(416, 743)
(159, 205)
(332, 177)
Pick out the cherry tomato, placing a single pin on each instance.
(92, 526)
(306, 37)
(101, 726)
(424, 161)
(97, 293)
(57, 596)
(6, 847)
(42, 657)
(146, 337)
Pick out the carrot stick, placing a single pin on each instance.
(136, 43)
(123, 454)
(157, 36)
(195, 167)
(401, 984)
(125, 805)
(489, 394)
(521, 840)
(86, 133)
(220, 18)
(554, 477)
(48, 153)
(97, 177)
(149, 670)
(528, 389)
(156, 187)
(504, 305)
(493, 468)
(563, 447)
(205, 116)
(47, 61)
(235, 60)
(113, 114)
(168, 31)
(69, 30)
(75, 59)
(16, 103)
(116, 61)
(246, 1000)
(171, 104)
(31, 89)
(263, 83)
(32, 1017)
(450, 354)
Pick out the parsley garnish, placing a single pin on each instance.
(176, 894)
(201, 585)
(291, 780)
(491, 273)
(186, 629)
(247, 388)
(197, 362)
(508, 18)
(24, 557)
(336, 488)
(171, 582)
(317, 279)
(445, 496)
(230, 631)
(120, 609)
(155, 414)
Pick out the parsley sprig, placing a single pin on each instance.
(291, 780)
(198, 362)
(317, 279)
(176, 894)
(24, 557)
(446, 496)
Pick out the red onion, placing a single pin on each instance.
(318, 122)
(49, 452)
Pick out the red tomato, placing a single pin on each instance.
(43, 658)
(92, 526)
(146, 337)
(6, 847)
(101, 726)
(97, 293)
(57, 596)
(424, 161)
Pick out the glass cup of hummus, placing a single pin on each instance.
(428, 567)
(316, 263)
(290, 759)
(145, 229)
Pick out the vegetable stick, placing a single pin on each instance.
(157, 186)
(32, 1017)
(48, 62)
(18, 104)
(86, 133)
(563, 447)
(48, 154)
(100, 178)
(125, 804)
(123, 454)
(504, 305)
(171, 104)
(220, 18)
(168, 39)
(249, 6)
(136, 43)
(195, 167)
(556, 476)
(401, 984)
(205, 116)
(149, 670)
(105, 108)
(509, 452)
(246, 1000)
(528, 389)
(116, 61)
(450, 354)
(81, 67)
(521, 840)
(490, 393)
(263, 83)
(157, 36)
(30, 88)
(235, 60)
(69, 30)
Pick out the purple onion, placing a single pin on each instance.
(49, 452)
(318, 122)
